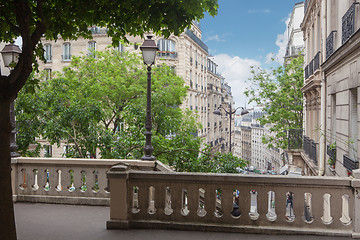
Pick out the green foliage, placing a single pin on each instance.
(279, 90)
(101, 104)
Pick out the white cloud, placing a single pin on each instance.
(259, 11)
(281, 42)
(215, 38)
(236, 72)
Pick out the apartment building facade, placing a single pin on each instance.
(331, 87)
(186, 54)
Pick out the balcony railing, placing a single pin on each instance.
(306, 71)
(350, 164)
(233, 202)
(166, 54)
(348, 23)
(330, 41)
(310, 148)
(65, 180)
(311, 68)
(317, 61)
(295, 138)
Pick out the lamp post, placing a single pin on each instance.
(230, 112)
(10, 55)
(148, 50)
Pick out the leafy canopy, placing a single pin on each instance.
(279, 91)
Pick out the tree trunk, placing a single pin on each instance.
(7, 219)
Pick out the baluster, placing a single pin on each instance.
(254, 215)
(308, 217)
(96, 188)
(327, 218)
(71, 188)
(35, 187)
(271, 214)
(47, 184)
(345, 217)
(290, 215)
(107, 188)
(135, 200)
(201, 212)
(168, 210)
(218, 212)
(184, 206)
(23, 185)
(59, 186)
(151, 208)
(83, 187)
(236, 213)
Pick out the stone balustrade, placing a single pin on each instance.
(67, 180)
(234, 202)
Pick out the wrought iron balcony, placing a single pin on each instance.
(331, 152)
(310, 148)
(330, 41)
(311, 68)
(317, 61)
(295, 138)
(348, 23)
(350, 164)
(306, 71)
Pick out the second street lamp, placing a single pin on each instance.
(148, 50)
(230, 112)
(10, 55)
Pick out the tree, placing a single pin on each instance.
(280, 92)
(100, 103)
(31, 20)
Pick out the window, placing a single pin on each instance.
(166, 48)
(91, 49)
(47, 151)
(353, 136)
(66, 52)
(47, 53)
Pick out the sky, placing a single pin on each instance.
(246, 33)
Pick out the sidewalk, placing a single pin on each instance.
(67, 222)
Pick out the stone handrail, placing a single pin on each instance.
(199, 201)
(68, 180)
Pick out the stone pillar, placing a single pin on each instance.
(355, 183)
(118, 181)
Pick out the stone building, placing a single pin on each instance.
(332, 56)
(295, 44)
(186, 54)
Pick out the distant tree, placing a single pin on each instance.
(31, 20)
(279, 90)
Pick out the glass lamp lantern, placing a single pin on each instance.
(10, 54)
(149, 50)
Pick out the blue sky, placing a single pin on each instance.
(246, 33)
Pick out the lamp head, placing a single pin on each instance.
(244, 111)
(149, 50)
(10, 54)
(217, 112)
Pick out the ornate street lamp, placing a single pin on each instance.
(148, 50)
(231, 112)
(10, 55)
